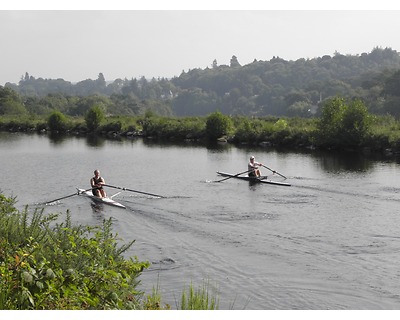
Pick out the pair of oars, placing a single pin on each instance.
(238, 174)
(106, 185)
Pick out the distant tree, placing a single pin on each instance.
(299, 109)
(194, 103)
(131, 87)
(10, 102)
(343, 124)
(115, 87)
(296, 96)
(391, 105)
(57, 122)
(125, 104)
(392, 85)
(93, 118)
(85, 103)
(101, 83)
(234, 62)
(218, 125)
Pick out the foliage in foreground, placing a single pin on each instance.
(45, 265)
(63, 266)
(199, 299)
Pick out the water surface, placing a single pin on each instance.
(330, 241)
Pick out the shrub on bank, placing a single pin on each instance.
(342, 125)
(46, 265)
(57, 122)
(49, 265)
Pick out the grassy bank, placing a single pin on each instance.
(50, 265)
(341, 126)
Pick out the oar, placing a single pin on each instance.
(274, 171)
(238, 174)
(126, 189)
(71, 195)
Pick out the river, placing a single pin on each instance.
(329, 241)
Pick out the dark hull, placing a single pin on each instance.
(255, 180)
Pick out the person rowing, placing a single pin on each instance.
(97, 183)
(252, 166)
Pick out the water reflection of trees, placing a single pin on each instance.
(218, 147)
(93, 140)
(344, 161)
(57, 138)
(156, 143)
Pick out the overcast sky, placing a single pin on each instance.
(79, 44)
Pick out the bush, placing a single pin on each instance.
(342, 124)
(57, 122)
(93, 118)
(64, 266)
(218, 125)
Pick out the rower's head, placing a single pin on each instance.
(96, 172)
(252, 158)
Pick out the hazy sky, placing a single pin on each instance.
(79, 44)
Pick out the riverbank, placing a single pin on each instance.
(382, 135)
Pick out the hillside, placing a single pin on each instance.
(275, 87)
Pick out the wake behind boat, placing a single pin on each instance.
(106, 200)
(262, 179)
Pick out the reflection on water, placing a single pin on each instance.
(95, 141)
(57, 138)
(98, 211)
(339, 162)
(219, 147)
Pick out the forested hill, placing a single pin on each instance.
(275, 87)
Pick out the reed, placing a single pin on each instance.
(199, 299)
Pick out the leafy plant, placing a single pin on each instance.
(343, 124)
(94, 117)
(57, 122)
(218, 125)
(60, 266)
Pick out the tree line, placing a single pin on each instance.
(262, 88)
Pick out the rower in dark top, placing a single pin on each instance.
(253, 167)
(97, 183)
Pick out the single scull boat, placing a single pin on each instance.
(106, 200)
(262, 179)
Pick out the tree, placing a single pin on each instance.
(218, 125)
(234, 62)
(355, 123)
(93, 118)
(392, 85)
(57, 122)
(10, 102)
(343, 124)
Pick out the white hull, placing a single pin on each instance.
(106, 200)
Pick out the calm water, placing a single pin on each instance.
(330, 241)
